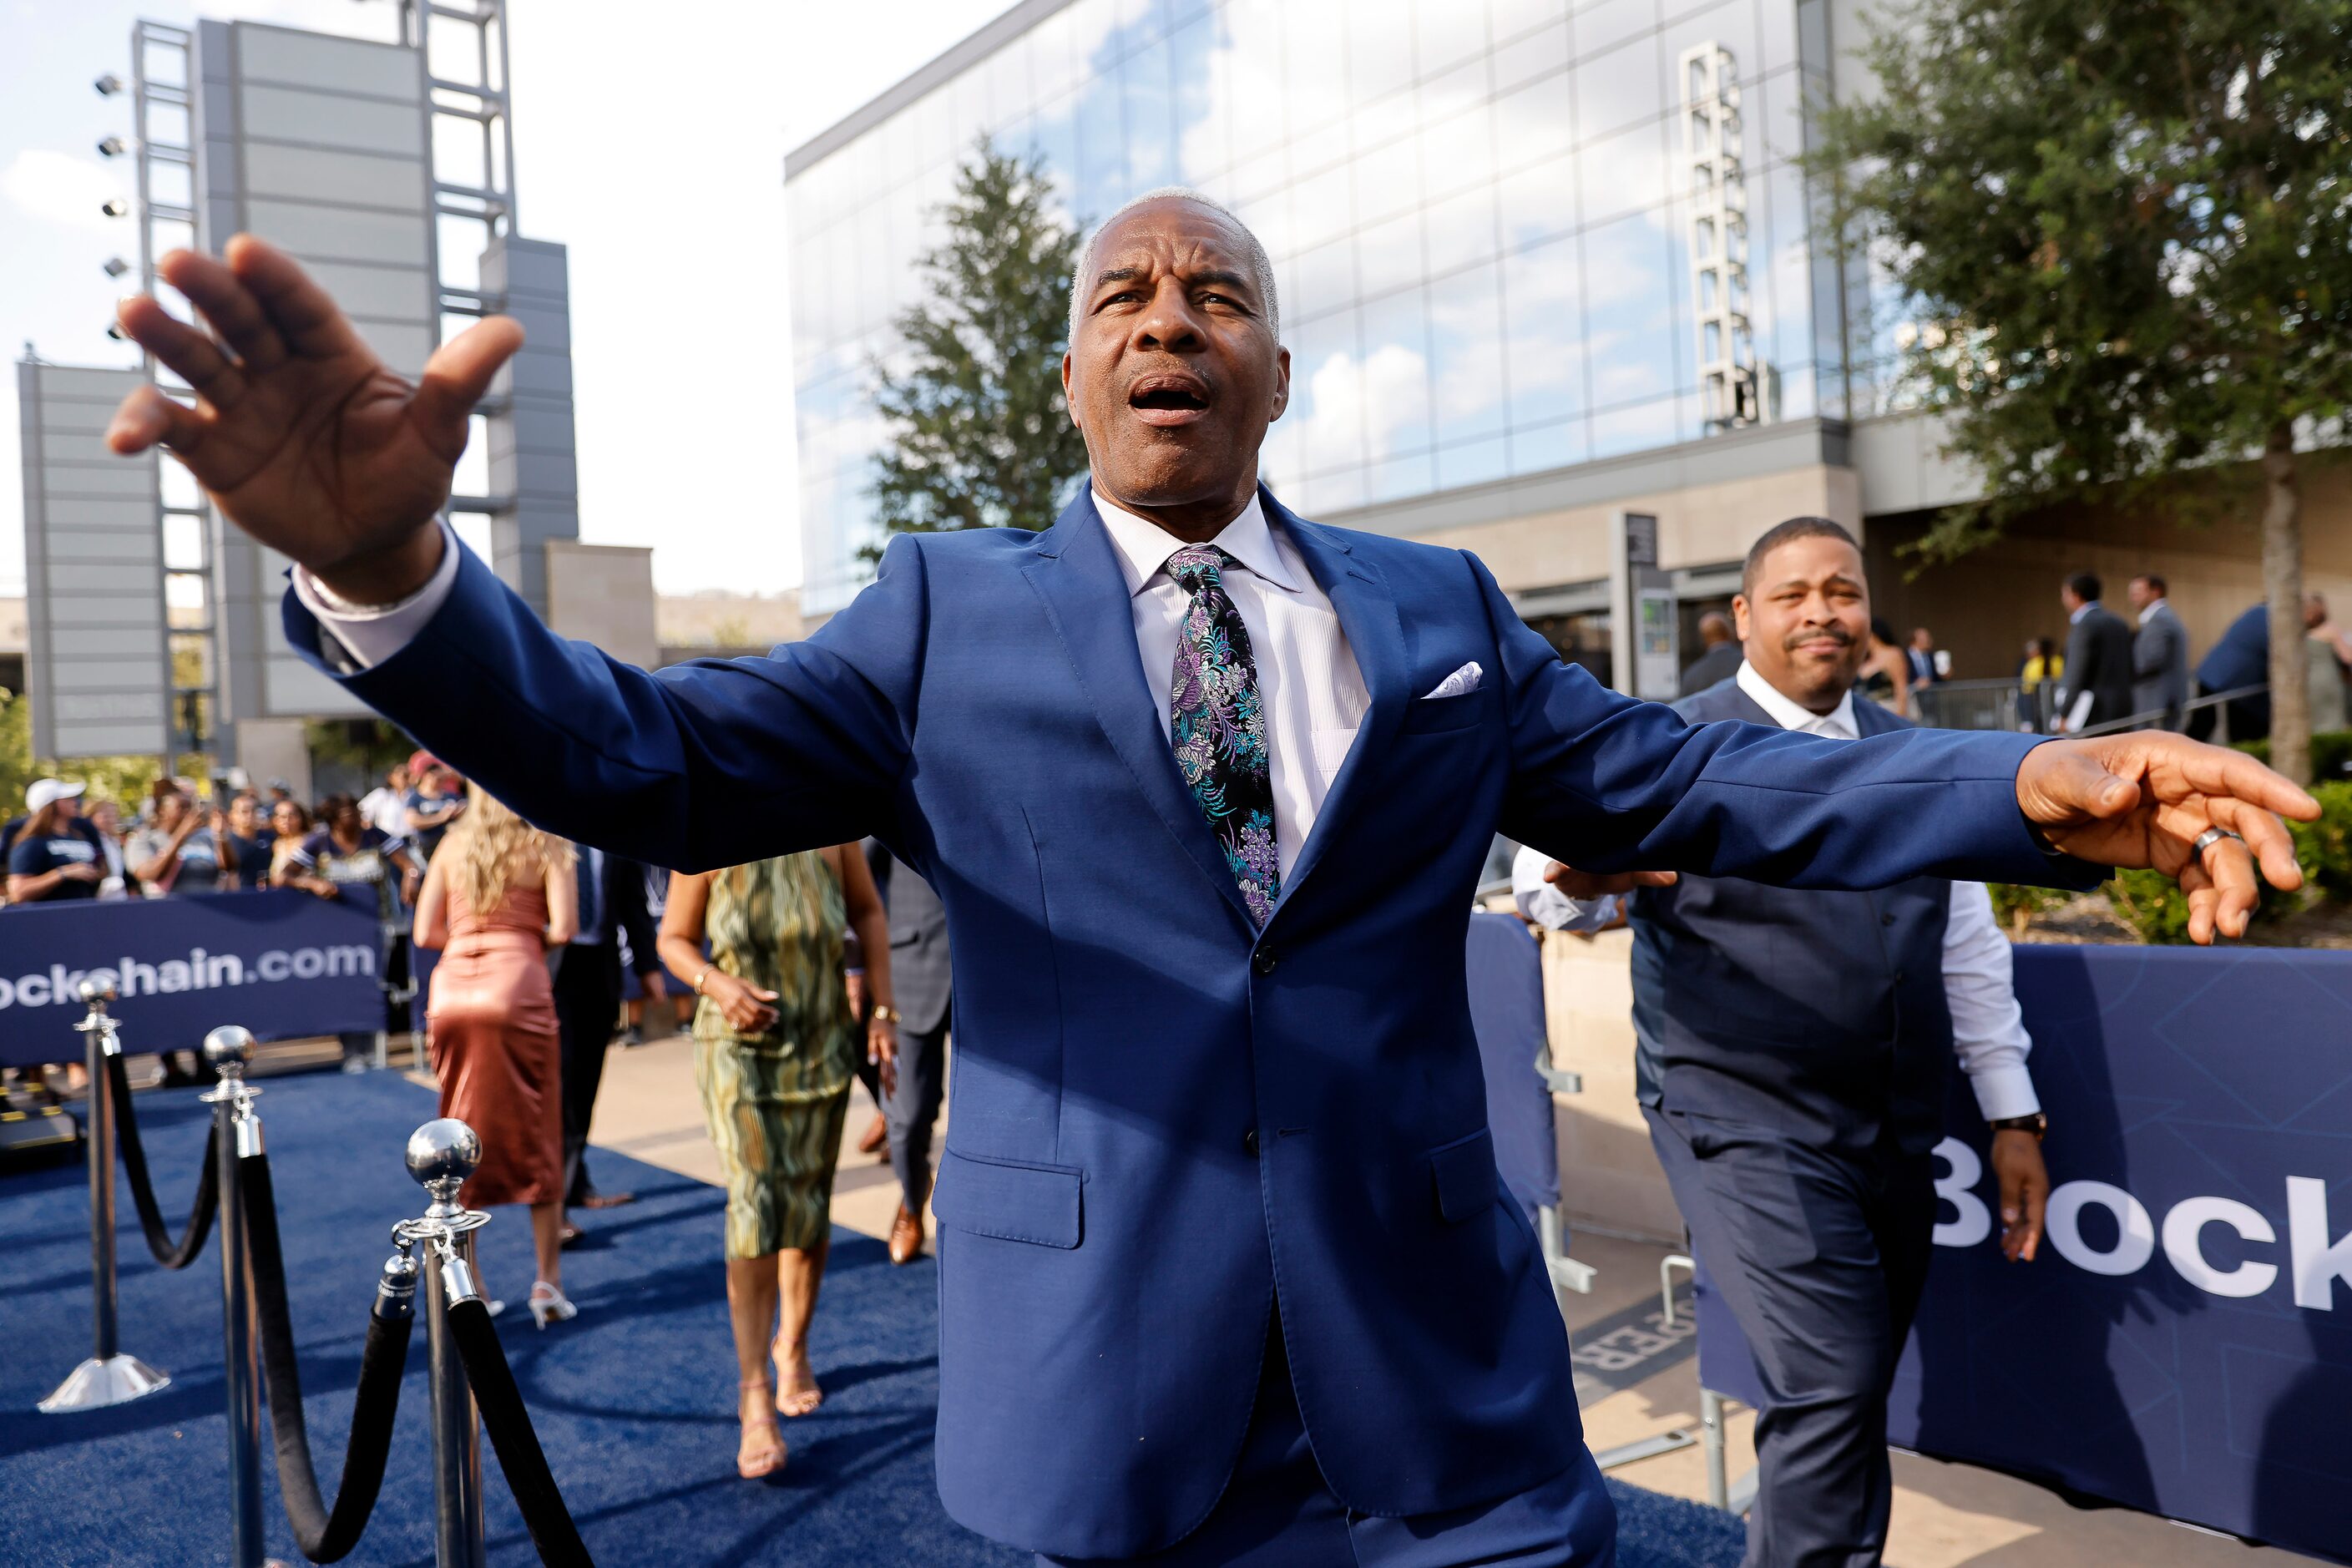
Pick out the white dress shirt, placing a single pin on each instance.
(1307, 677)
(1988, 1029)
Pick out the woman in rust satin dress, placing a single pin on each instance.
(499, 895)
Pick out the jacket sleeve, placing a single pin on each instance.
(1609, 784)
(708, 763)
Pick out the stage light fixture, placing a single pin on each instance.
(112, 147)
(116, 208)
(116, 267)
(107, 85)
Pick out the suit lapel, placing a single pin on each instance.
(1076, 575)
(1368, 614)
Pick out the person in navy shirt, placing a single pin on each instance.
(52, 857)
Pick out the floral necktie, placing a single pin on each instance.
(1218, 726)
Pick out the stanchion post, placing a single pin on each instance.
(236, 1137)
(108, 1377)
(441, 1156)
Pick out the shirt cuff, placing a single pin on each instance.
(2004, 1090)
(373, 633)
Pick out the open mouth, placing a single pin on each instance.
(1169, 400)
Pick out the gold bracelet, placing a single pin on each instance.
(701, 977)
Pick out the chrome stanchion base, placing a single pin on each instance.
(95, 1383)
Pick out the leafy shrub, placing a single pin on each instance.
(2015, 905)
(2331, 754)
(2157, 911)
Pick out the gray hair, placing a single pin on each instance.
(1261, 269)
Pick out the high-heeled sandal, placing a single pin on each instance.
(800, 1402)
(553, 1307)
(754, 1461)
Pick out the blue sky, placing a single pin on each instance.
(649, 139)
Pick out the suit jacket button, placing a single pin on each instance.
(1249, 1142)
(1886, 919)
(1263, 961)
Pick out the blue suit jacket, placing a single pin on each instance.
(1166, 1122)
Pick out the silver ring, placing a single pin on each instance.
(2209, 837)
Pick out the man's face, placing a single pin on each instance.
(2140, 594)
(285, 818)
(1924, 640)
(242, 817)
(1806, 627)
(2069, 600)
(2315, 613)
(1174, 374)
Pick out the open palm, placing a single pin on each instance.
(299, 433)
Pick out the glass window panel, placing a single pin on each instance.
(1643, 428)
(1777, 36)
(1319, 208)
(1388, 255)
(1388, 178)
(1053, 133)
(1314, 62)
(1615, 90)
(1473, 463)
(1782, 264)
(1459, 153)
(1449, 92)
(1196, 65)
(1537, 202)
(1148, 100)
(1277, 459)
(1796, 388)
(1327, 393)
(1775, 109)
(1631, 297)
(1396, 374)
(1459, 230)
(1625, 171)
(1256, 176)
(1396, 479)
(1466, 369)
(1543, 303)
(1055, 70)
(1509, 18)
(1448, 34)
(1102, 151)
(1009, 89)
(1379, 48)
(1533, 122)
(1553, 445)
(1320, 149)
(1609, 23)
(1342, 492)
(1542, 53)
(1323, 277)
(1813, 36)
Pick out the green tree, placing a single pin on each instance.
(979, 435)
(2122, 232)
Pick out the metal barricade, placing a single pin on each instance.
(110, 1376)
(238, 1138)
(441, 1154)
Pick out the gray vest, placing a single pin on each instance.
(1818, 1014)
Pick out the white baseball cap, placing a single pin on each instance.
(48, 792)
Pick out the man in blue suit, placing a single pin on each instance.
(1204, 788)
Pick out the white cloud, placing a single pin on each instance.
(58, 188)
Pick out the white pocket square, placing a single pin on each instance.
(1461, 683)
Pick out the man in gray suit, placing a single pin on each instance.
(2160, 652)
(920, 975)
(2099, 657)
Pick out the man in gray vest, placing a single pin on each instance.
(1792, 1050)
(919, 974)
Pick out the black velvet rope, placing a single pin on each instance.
(508, 1425)
(142, 1193)
(324, 1534)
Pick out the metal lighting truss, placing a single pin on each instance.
(1730, 386)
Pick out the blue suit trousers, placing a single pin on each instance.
(1277, 1511)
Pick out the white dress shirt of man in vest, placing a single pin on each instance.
(1796, 1141)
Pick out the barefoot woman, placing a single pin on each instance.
(775, 1044)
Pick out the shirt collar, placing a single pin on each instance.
(1144, 547)
(1790, 714)
(2080, 611)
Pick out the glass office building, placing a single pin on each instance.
(1540, 262)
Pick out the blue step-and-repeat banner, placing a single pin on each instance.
(283, 963)
(2183, 1344)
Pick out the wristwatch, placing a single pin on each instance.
(2037, 1124)
(886, 1013)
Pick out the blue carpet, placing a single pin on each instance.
(633, 1401)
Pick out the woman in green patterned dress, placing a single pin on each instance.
(775, 1044)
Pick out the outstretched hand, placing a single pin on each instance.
(2142, 799)
(299, 433)
(1590, 884)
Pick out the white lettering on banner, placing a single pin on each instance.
(2184, 1228)
(200, 970)
(1972, 1222)
(2318, 1262)
(2135, 1236)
